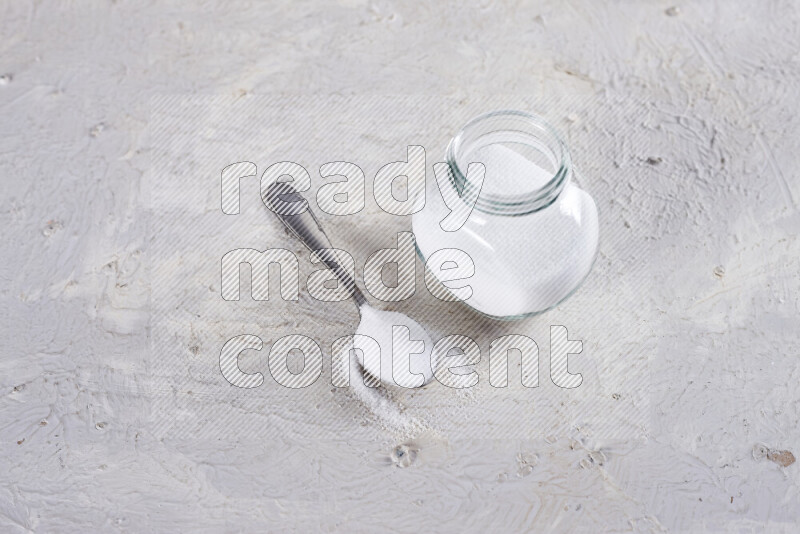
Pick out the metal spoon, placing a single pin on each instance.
(293, 211)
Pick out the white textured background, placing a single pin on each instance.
(709, 228)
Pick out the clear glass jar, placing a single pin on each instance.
(533, 232)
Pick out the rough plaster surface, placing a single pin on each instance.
(699, 195)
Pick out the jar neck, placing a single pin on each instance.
(535, 142)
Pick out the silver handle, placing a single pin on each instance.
(293, 211)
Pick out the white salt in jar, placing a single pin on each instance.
(532, 234)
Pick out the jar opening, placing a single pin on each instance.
(527, 164)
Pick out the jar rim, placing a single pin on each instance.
(520, 122)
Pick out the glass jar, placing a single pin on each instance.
(532, 234)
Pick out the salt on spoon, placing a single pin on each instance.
(379, 331)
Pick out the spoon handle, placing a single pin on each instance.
(293, 211)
